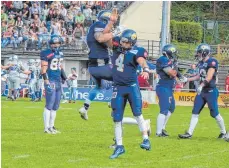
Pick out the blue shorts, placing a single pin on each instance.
(166, 99)
(211, 98)
(120, 96)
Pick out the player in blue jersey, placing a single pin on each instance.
(99, 39)
(167, 71)
(206, 92)
(53, 74)
(125, 61)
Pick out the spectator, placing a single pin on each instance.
(19, 24)
(49, 17)
(11, 20)
(190, 73)
(12, 10)
(25, 14)
(7, 37)
(45, 12)
(88, 15)
(73, 78)
(179, 86)
(80, 18)
(227, 84)
(3, 27)
(36, 21)
(77, 35)
(25, 36)
(34, 10)
(55, 28)
(7, 4)
(63, 11)
(18, 5)
(32, 40)
(15, 38)
(42, 35)
(4, 16)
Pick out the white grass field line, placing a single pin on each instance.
(21, 156)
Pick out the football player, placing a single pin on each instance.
(14, 68)
(32, 78)
(167, 70)
(125, 62)
(53, 74)
(206, 92)
(99, 39)
(39, 80)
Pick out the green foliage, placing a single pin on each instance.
(188, 32)
(186, 51)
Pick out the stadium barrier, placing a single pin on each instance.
(182, 97)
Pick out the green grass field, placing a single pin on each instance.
(85, 144)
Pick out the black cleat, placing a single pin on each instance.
(164, 133)
(185, 136)
(221, 136)
(161, 135)
(114, 145)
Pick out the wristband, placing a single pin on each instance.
(146, 69)
(45, 76)
(63, 75)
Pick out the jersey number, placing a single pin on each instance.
(56, 63)
(119, 62)
(203, 74)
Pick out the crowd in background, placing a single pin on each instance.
(33, 22)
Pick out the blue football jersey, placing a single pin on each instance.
(54, 60)
(125, 66)
(164, 79)
(97, 50)
(203, 70)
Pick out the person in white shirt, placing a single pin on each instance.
(73, 77)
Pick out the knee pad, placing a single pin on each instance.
(117, 116)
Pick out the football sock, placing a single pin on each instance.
(129, 120)
(220, 122)
(118, 133)
(46, 116)
(166, 119)
(160, 123)
(87, 104)
(193, 122)
(52, 118)
(142, 126)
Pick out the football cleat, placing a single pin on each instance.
(47, 131)
(227, 137)
(186, 135)
(145, 144)
(114, 145)
(164, 133)
(221, 136)
(119, 150)
(83, 113)
(148, 126)
(53, 129)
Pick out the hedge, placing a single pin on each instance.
(187, 32)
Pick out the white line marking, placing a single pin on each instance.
(77, 160)
(21, 156)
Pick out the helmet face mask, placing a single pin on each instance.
(104, 16)
(170, 51)
(128, 39)
(202, 51)
(55, 42)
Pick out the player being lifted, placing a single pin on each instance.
(167, 70)
(53, 73)
(99, 39)
(206, 92)
(126, 87)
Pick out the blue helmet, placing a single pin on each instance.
(104, 16)
(170, 51)
(55, 39)
(202, 51)
(129, 36)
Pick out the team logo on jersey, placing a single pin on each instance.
(50, 55)
(107, 14)
(133, 36)
(173, 49)
(213, 63)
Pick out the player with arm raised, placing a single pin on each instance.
(53, 74)
(206, 92)
(166, 68)
(126, 88)
(99, 39)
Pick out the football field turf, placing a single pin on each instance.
(85, 144)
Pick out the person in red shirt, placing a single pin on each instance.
(143, 83)
(227, 84)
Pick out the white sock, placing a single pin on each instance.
(166, 119)
(194, 121)
(160, 123)
(52, 118)
(129, 120)
(87, 101)
(46, 116)
(142, 126)
(118, 133)
(220, 122)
